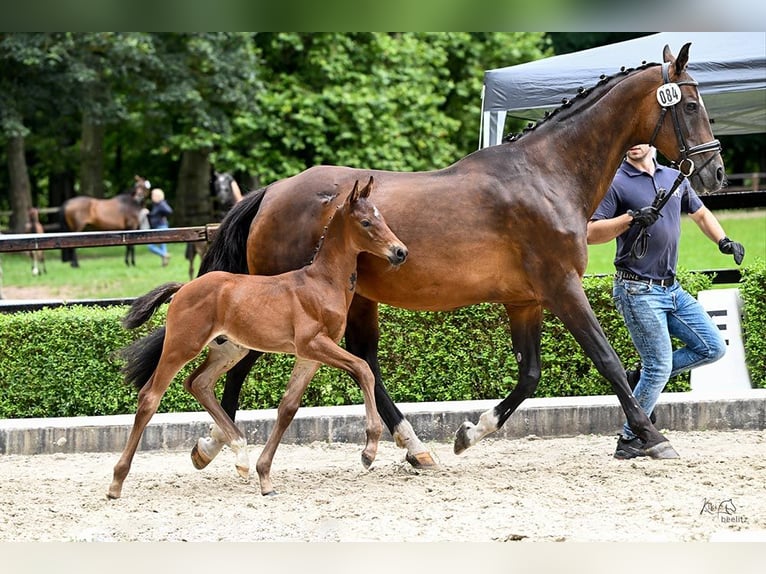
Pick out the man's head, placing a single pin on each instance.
(641, 152)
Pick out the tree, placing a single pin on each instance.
(205, 82)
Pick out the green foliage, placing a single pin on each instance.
(63, 362)
(753, 292)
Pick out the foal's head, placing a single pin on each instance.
(367, 229)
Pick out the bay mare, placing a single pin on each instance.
(505, 224)
(301, 312)
(117, 213)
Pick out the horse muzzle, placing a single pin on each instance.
(397, 255)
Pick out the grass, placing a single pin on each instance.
(696, 251)
(103, 274)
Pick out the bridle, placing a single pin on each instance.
(668, 95)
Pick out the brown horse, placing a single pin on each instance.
(301, 312)
(33, 225)
(120, 212)
(506, 224)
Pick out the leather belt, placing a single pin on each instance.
(666, 282)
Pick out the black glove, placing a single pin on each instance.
(645, 216)
(730, 247)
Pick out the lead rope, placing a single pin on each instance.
(641, 242)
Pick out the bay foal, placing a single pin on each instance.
(300, 312)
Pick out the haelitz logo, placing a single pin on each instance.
(724, 510)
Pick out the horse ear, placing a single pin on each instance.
(354, 195)
(667, 55)
(367, 188)
(683, 58)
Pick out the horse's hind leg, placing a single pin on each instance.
(303, 372)
(148, 401)
(526, 324)
(207, 448)
(362, 336)
(201, 383)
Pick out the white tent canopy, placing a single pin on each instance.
(729, 66)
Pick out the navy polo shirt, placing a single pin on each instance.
(634, 189)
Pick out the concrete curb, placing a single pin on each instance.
(544, 417)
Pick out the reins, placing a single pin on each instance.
(668, 96)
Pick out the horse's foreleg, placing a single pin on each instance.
(201, 383)
(130, 255)
(303, 372)
(207, 448)
(574, 310)
(526, 324)
(362, 336)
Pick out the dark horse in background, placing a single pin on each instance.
(225, 193)
(120, 212)
(505, 224)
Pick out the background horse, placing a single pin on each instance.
(120, 212)
(505, 224)
(33, 225)
(302, 313)
(225, 192)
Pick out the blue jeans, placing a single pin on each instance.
(652, 315)
(160, 249)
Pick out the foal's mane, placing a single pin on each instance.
(584, 99)
(324, 234)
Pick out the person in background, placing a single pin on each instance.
(652, 303)
(158, 219)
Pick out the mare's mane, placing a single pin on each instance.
(583, 100)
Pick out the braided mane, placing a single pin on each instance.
(582, 93)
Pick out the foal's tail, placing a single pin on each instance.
(142, 357)
(145, 306)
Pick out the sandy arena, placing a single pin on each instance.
(562, 489)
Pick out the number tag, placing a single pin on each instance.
(668, 94)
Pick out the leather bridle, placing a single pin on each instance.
(685, 163)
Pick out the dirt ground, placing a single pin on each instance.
(563, 489)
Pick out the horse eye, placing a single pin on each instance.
(691, 107)
(366, 223)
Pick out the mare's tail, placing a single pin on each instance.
(145, 306)
(142, 357)
(228, 250)
(66, 252)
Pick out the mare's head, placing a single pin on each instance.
(367, 229)
(683, 133)
(141, 187)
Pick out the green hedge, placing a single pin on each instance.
(62, 362)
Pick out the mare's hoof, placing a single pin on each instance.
(270, 493)
(243, 471)
(663, 451)
(462, 442)
(198, 460)
(422, 460)
(366, 461)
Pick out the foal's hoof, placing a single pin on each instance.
(199, 460)
(270, 493)
(462, 442)
(662, 451)
(367, 460)
(422, 460)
